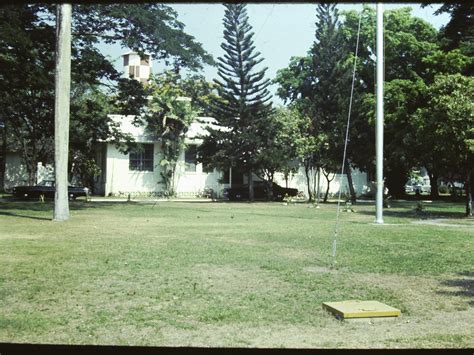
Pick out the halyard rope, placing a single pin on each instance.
(336, 227)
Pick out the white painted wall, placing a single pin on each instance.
(121, 180)
(298, 181)
(15, 171)
(16, 174)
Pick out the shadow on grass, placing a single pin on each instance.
(11, 214)
(410, 213)
(11, 207)
(462, 286)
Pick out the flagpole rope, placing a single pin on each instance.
(336, 227)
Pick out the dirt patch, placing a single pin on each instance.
(230, 279)
(320, 269)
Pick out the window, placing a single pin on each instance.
(125, 60)
(134, 71)
(141, 158)
(190, 158)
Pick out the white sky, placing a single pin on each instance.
(281, 30)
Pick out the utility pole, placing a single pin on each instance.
(379, 118)
(61, 110)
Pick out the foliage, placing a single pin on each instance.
(27, 42)
(201, 92)
(446, 125)
(168, 117)
(90, 125)
(459, 31)
(243, 107)
(25, 38)
(287, 129)
(409, 43)
(295, 82)
(318, 86)
(143, 27)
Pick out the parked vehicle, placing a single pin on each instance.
(47, 189)
(260, 189)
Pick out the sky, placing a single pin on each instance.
(281, 31)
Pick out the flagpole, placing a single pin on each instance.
(379, 117)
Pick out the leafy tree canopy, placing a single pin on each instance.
(27, 41)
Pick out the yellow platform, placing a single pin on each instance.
(361, 309)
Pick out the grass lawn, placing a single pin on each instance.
(233, 275)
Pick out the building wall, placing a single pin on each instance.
(16, 174)
(120, 180)
(15, 171)
(298, 181)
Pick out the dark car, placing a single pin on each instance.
(47, 189)
(260, 189)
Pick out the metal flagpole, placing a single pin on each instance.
(379, 118)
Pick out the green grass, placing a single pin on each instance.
(231, 274)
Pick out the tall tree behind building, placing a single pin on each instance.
(244, 101)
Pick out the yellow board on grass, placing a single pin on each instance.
(361, 309)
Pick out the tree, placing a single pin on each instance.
(408, 40)
(331, 88)
(318, 86)
(168, 118)
(61, 111)
(90, 124)
(459, 31)
(287, 129)
(243, 107)
(295, 83)
(27, 37)
(166, 106)
(446, 124)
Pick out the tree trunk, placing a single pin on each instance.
(396, 178)
(434, 194)
(469, 186)
(326, 195)
(32, 171)
(327, 187)
(61, 110)
(313, 173)
(3, 163)
(250, 183)
(349, 181)
(308, 183)
(318, 192)
(268, 182)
